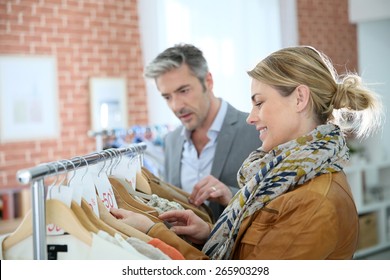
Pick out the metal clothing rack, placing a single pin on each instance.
(35, 177)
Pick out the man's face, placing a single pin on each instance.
(185, 96)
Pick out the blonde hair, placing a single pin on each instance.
(343, 100)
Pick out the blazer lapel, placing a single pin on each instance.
(176, 162)
(224, 141)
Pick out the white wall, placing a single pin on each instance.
(233, 34)
(374, 61)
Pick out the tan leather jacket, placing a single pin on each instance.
(318, 220)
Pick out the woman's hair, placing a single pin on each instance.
(342, 100)
(176, 56)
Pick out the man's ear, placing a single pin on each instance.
(209, 81)
(302, 93)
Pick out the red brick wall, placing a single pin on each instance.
(325, 26)
(90, 38)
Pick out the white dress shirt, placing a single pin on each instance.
(194, 167)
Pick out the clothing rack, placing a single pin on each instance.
(35, 177)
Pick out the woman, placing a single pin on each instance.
(294, 201)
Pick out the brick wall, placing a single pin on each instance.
(91, 38)
(325, 26)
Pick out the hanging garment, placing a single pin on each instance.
(147, 249)
(172, 252)
(162, 205)
(68, 247)
(172, 193)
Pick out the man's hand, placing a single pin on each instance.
(210, 188)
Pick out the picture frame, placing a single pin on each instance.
(28, 98)
(108, 103)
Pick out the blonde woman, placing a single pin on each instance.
(294, 201)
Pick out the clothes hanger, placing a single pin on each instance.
(56, 213)
(119, 185)
(123, 204)
(99, 223)
(24, 229)
(173, 193)
(123, 189)
(78, 211)
(128, 230)
(142, 184)
(82, 216)
(86, 211)
(142, 187)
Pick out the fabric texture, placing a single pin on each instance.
(265, 176)
(146, 249)
(162, 204)
(229, 153)
(170, 251)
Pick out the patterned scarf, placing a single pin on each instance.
(265, 176)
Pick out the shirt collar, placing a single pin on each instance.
(215, 126)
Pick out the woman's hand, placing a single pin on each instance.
(212, 189)
(187, 223)
(136, 220)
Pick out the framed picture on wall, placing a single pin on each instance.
(28, 98)
(108, 103)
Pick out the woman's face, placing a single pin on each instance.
(276, 117)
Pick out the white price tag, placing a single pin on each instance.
(77, 181)
(105, 191)
(89, 190)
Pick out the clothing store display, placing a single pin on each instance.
(119, 185)
(106, 216)
(122, 203)
(99, 223)
(173, 193)
(229, 154)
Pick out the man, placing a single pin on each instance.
(204, 154)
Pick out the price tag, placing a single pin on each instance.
(127, 169)
(104, 190)
(64, 194)
(78, 181)
(89, 190)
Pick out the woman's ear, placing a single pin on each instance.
(302, 96)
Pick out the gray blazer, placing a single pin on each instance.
(235, 142)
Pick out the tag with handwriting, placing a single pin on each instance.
(105, 191)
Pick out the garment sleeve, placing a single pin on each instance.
(292, 234)
(160, 231)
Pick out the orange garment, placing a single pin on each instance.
(170, 251)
